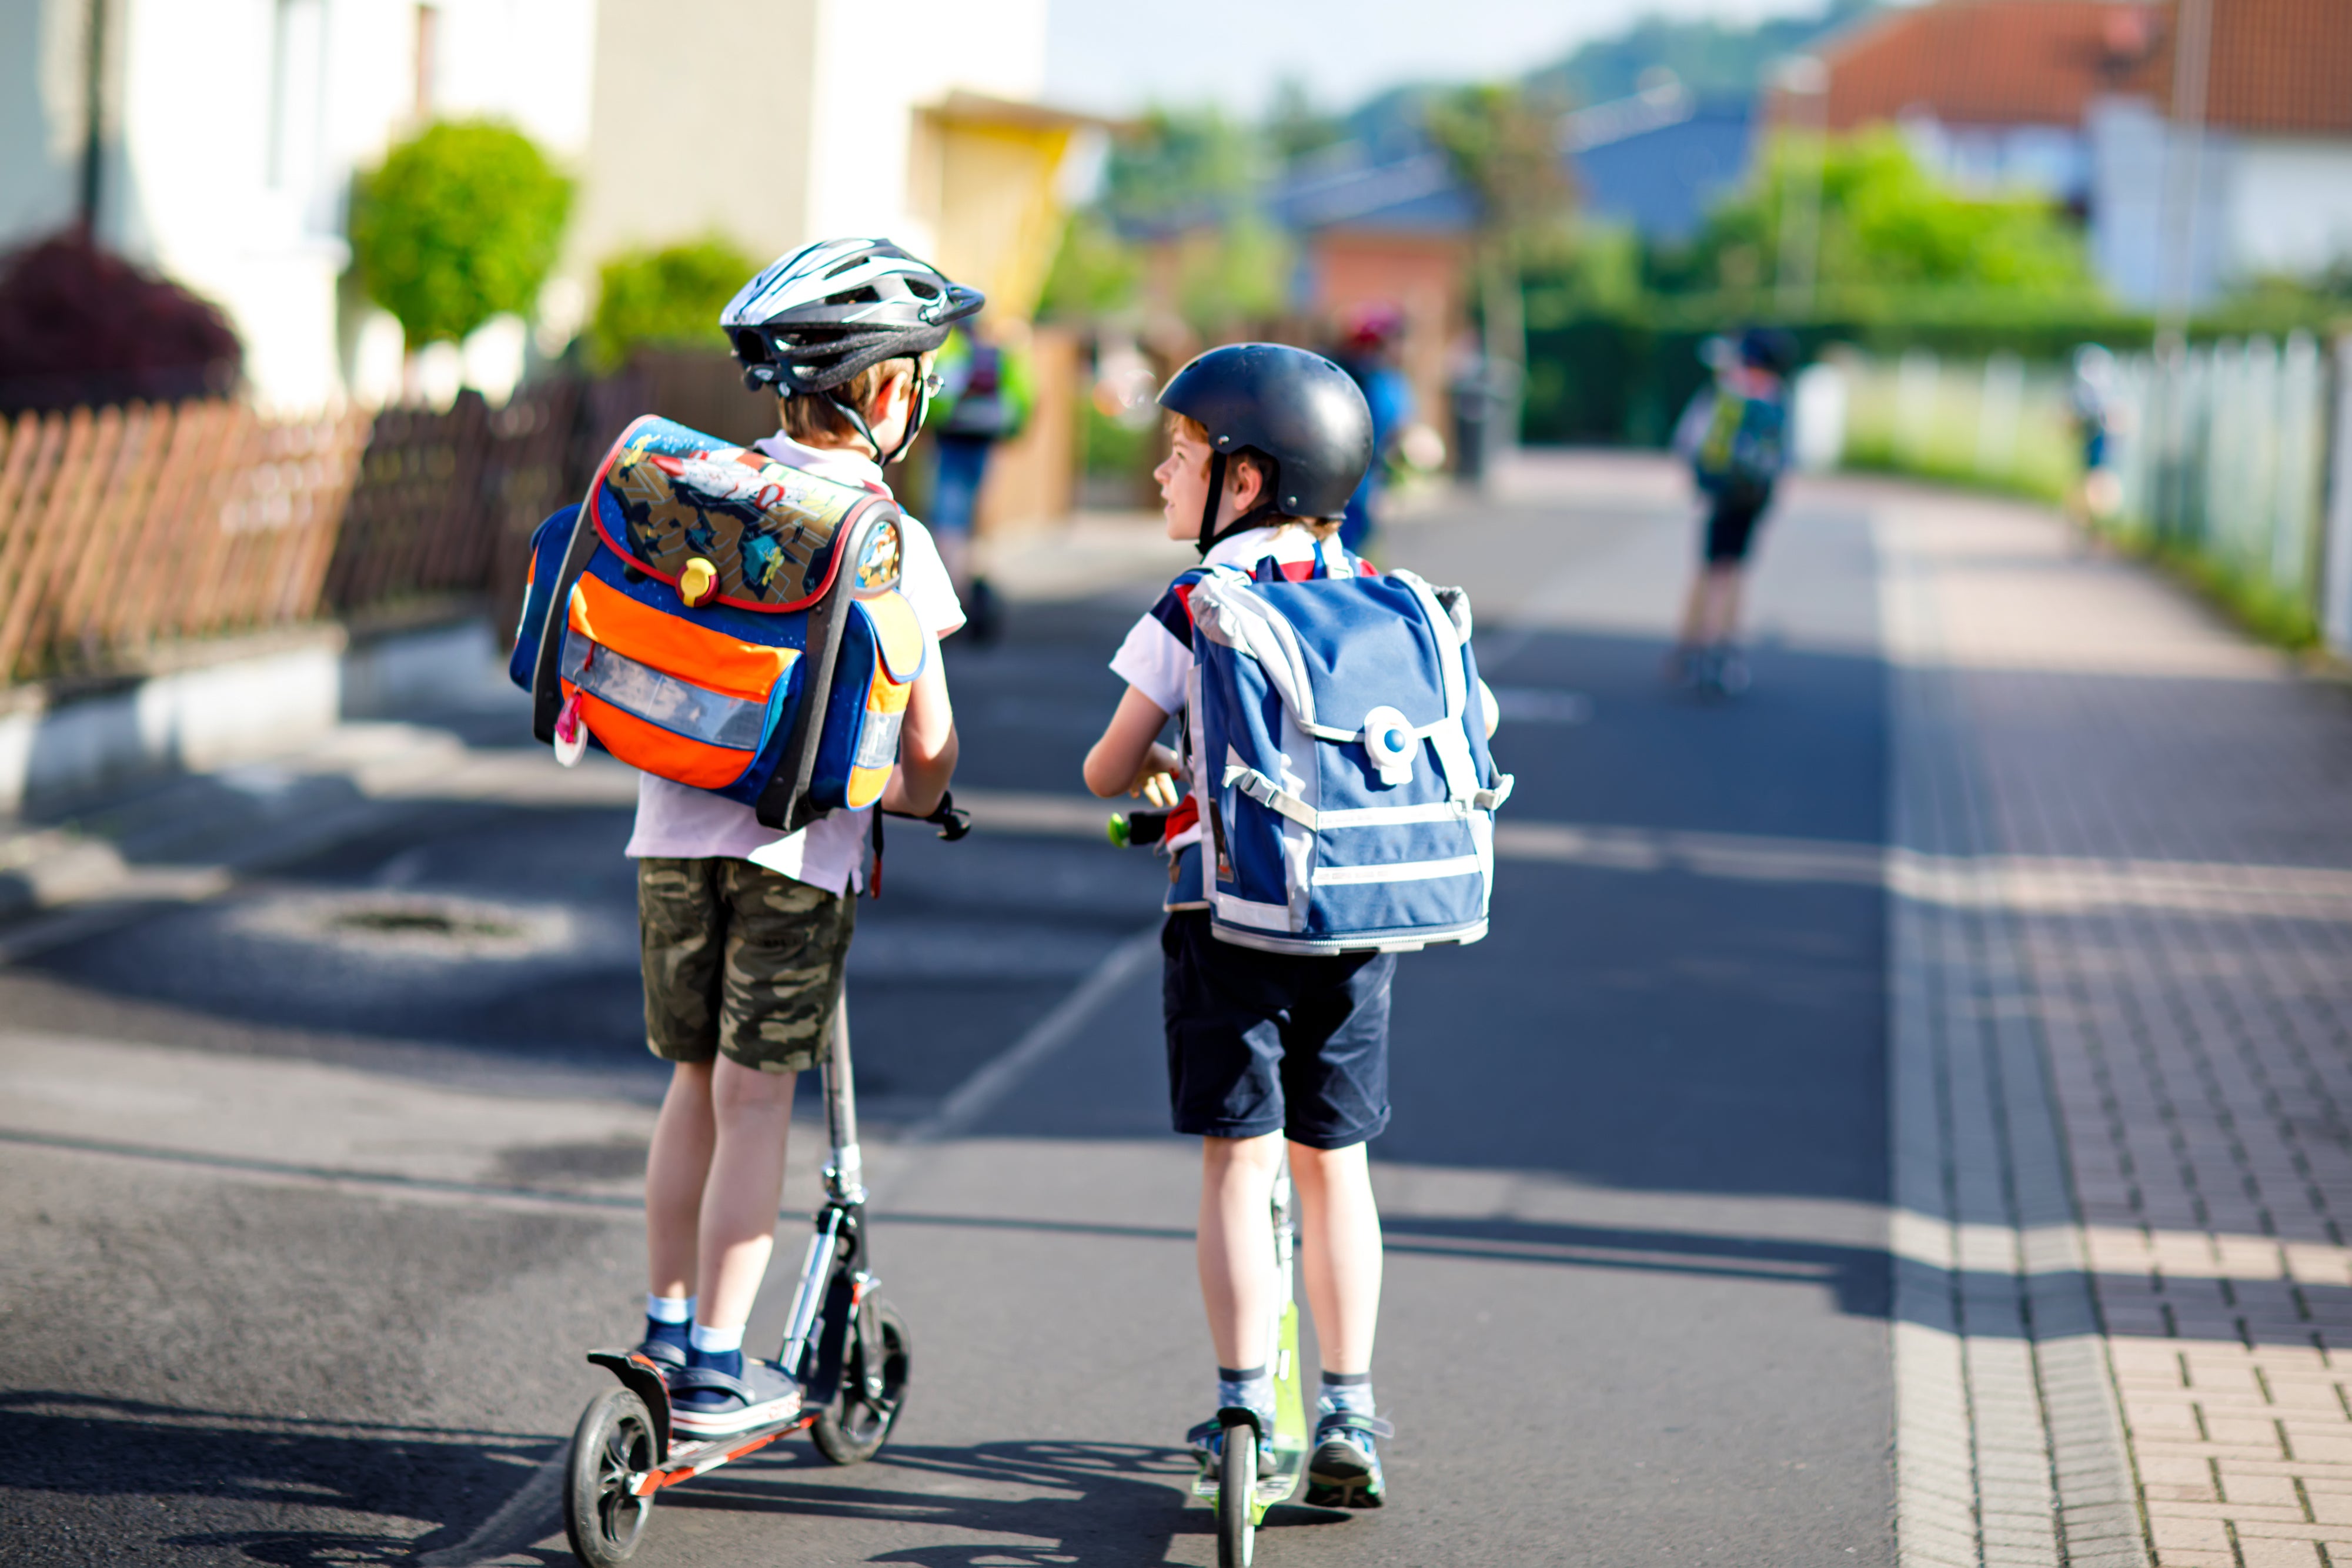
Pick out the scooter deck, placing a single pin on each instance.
(682, 1458)
(691, 1459)
(1289, 1428)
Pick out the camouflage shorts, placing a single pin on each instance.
(739, 960)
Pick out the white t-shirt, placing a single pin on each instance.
(1157, 657)
(677, 820)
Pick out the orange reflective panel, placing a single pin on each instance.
(675, 647)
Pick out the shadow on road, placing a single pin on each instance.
(216, 1466)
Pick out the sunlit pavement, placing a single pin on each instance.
(317, 1175)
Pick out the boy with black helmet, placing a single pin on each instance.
(1267, 443)
(745, 931)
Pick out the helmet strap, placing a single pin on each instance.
(1206, 540)
(917, 410)
(1211, 536)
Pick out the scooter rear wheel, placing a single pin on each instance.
(853, 1428)
(613, 1445)
(1237, 1497)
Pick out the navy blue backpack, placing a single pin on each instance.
(1340, 757)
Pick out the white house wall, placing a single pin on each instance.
(2290, 206)
(864, 120)
(42, 55)
(699, 124)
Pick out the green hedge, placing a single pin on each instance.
(1622, 379)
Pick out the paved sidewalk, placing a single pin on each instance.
(2122, 931)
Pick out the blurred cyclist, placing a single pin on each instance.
(1370, 337)
(1735, 433)
(2097, 492)
(984, 398)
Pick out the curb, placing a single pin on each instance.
(2010, 1440)
(218, 704)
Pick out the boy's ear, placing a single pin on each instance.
(1247, 483)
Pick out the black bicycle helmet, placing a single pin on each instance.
(818, 317)
(1768, 349)
(1298, 413)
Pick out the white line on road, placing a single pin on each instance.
(980, 1094)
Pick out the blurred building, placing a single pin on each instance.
(1655, 161)
(1387, 233)
(217, 140)
(214, 139)
(2096, 104)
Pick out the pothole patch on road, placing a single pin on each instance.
(418, 925)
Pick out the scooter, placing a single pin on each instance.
(846, 1346)
(1232, 1482)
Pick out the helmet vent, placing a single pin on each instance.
(865, 296)
(852, 265)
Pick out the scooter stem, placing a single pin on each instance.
(844, 1178)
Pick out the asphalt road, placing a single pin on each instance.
(312, 1193)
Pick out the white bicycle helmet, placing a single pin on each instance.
(817, 317)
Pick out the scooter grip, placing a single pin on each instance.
(1129, 829)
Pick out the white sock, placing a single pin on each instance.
(669, 1309)
(712, 1341)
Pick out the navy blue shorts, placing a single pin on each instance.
(1731, 526)
(1270, 1042)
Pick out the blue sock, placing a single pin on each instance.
(1250, 1387)
(721, 1350)
(1348, 1391)
(669, 1319)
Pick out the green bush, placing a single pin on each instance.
(459, 223)
(1113, 447)
(670, 298)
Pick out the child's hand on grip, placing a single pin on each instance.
(1154, 777)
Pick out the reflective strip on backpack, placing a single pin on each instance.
(1393, 815)
(645, 693)
(878, 745)
(1408, 871)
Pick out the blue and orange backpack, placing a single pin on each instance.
(715, 617)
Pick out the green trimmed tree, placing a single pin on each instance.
(670, 296)
(460, 223)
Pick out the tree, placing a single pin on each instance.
(459, 223)
(1504, 146)
(1888, 226)
(671, 296)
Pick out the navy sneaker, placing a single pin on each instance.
(707, 1403)
(1345, 1469)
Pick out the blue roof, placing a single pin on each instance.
(1412, 195)
(1659, 177)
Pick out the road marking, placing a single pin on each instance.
(980, 1094)
(1541, 705)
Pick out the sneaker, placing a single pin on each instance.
(1344, 1471)
(707, 1403)
(1207, 1441)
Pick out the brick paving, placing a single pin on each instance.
(2131, 838)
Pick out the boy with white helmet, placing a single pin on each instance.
(745, 931)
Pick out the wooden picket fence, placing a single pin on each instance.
(123, 529)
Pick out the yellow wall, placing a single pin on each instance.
(992, 188)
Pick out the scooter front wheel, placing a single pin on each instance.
(613, 1446)
(853, 1428)
(1237, 1496)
